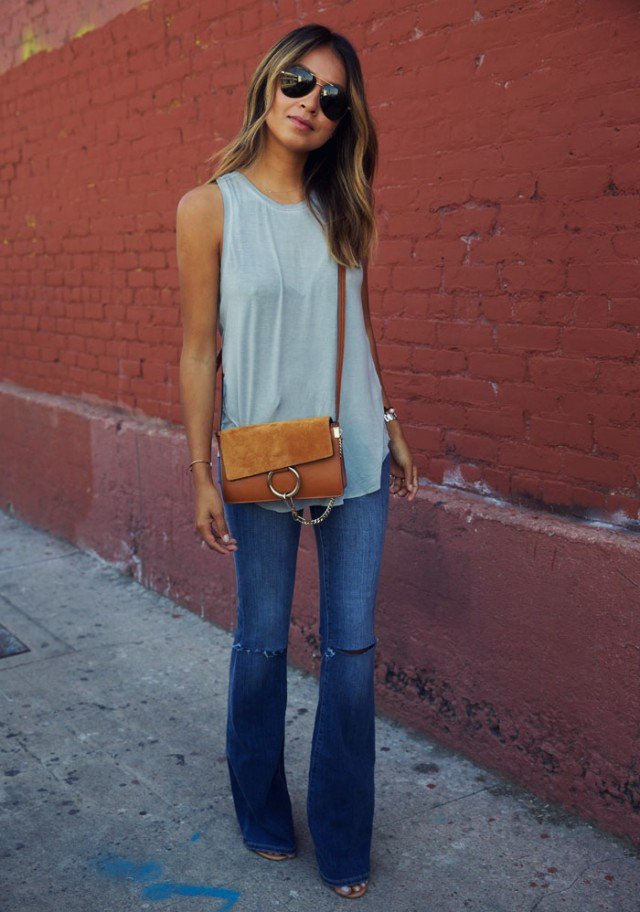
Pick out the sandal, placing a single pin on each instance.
(352, 891)
(274, 856)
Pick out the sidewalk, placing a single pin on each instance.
(115, 787)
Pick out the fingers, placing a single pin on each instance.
(405, 485)
(216, 536)
(414, 483)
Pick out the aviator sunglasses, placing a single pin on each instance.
(297, 81)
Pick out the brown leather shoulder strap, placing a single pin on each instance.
(340, 357)
(341, 322)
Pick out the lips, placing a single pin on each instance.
(299, 120)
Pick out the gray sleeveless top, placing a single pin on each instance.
(278, 318)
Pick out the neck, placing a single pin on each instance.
(279, 170)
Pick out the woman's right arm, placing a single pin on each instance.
(199, 220)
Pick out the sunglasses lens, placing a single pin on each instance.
(296, 82)
(333, 102)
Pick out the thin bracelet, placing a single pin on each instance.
(191, 465)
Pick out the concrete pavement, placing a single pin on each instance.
(115, 790)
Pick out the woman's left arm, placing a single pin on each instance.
(404, 471)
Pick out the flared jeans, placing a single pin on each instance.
(340, 795)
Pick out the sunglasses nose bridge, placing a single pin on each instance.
(314, 93)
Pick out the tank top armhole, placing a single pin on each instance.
(225, 192)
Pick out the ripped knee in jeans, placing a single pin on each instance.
(268, 653)
(331, 650)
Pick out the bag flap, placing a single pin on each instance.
(256, 448)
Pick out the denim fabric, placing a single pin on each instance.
(340, 797)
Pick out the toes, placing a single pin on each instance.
(350, 889)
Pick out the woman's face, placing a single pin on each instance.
(281, 117)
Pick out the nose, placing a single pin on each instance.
(313, 98)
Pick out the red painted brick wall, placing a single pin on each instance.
(505, 293)
(28, 28)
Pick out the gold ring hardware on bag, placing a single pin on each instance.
(292, 493)
(310, 448)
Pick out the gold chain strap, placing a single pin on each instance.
(318, 519)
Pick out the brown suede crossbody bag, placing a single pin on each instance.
(281, 460)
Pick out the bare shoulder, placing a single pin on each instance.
(201, 212)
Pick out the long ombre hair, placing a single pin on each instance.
(340, 172)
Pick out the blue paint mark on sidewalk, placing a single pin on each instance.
(122, 869)
(159, 891)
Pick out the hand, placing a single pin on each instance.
(405, 482)
(210, 520)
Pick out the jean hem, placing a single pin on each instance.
(343, 881)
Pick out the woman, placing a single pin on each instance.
(258, 252)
